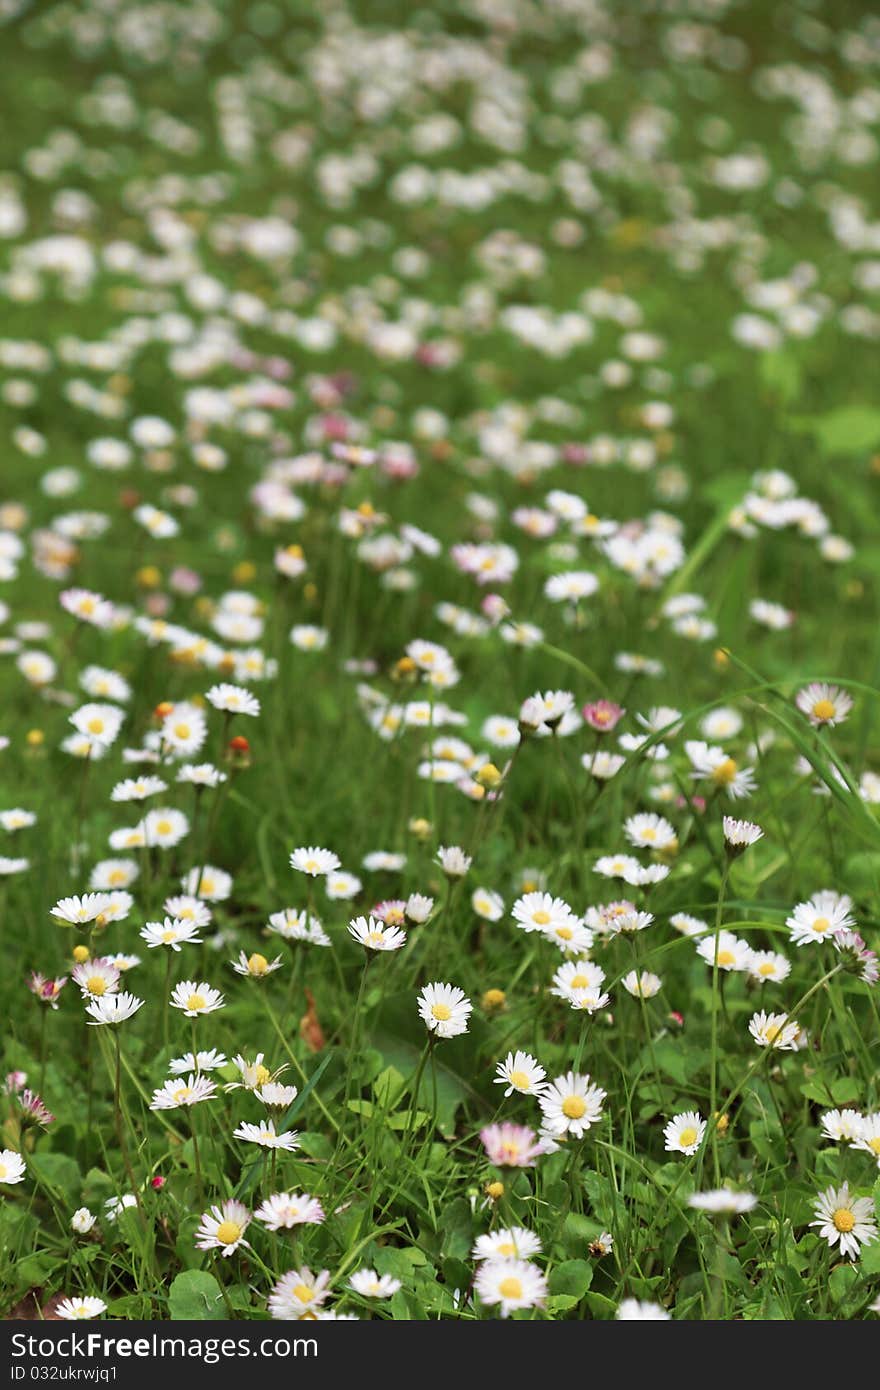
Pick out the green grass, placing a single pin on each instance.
(389, 1133)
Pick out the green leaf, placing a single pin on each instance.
(781, 374)
(196, 1295)
(59, 1172)
(561, 1302)
(572, 1277)
(840, 1281)
(851, 429)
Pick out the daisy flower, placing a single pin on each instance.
(98, 723)
(164, 828)
(579, 983)
(256, 966)
(223, 1227)
(342, 886)
(78, 1309)
(511, 1146)
(177, 1092)
(369, 1284)
(856, 956)
(375, 935)
(233, 699)
(819, 918)
(602, 715)
(868, 1137)
(638, 1310)
(77, 911)
(729, 952)
(520, 1072)
(47, 991)
(824, 705)
(739, 834)
(298, 1294)
(845, 1220)
(82, 1221)
(722, 1202)
(275, 1096)
(453, 861)
(211, 1060)
(510, 1284)
(511, 1243)
(96, 977)
(138, 788)
(542, 912)
(196, 998)
(603, 766)
(112, 1008)
(650, 831)
(418, 908)
(768, 966)
(444, 1009)
(842, 1125)
(171, 932)
(642, 984)
(265, 1135)
(711, 764)
(571, 1104)
(210, 883)
(284, 1210)
(487, 904)
(313, 861)
(772, 1030)
(684, 1132)
(12, 1167)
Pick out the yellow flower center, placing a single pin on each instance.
(96, 984)
(771, 1033)
(96, 726)
(168, 937)
(117, 876)
(507, 1248)
(579, 982)
(573, 1107)
(726, 958)
(565, 933)
(304, 1293)
(843, 1220)
(520, 1080)
(257, 964)
(228, 1232)
(87, 605)
(311, 866)
(649, 833)
(182, 730)
(767, 968)
(820, 924)
(441, 1012)
(510, 1150)
(687, 1137)
(195, 1001)
(824, 709)
(874, 1144)
(541, 918)
(179, 1096)
(163, 827)
(263, 1075)
(3, 1171)
(725, 772)
(510, 1287)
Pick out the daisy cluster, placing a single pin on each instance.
(439, 835)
